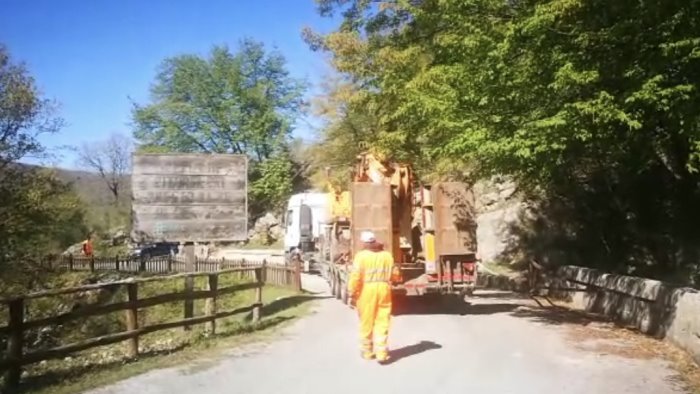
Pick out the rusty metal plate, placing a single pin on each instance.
(455, 218)
(189, 197)
(371, 210)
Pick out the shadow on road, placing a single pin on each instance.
(488, 309)
(412, 350)
(282, 304)
(500, 295)
(555, 315)
(447, 306)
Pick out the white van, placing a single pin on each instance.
(303, 222)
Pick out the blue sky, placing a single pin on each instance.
(95, 56)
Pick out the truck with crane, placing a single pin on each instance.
(429, 229)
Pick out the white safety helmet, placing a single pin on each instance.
(367, 237)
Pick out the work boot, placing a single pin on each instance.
(383, 357)
(367, 355)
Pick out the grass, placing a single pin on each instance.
(110, 251)
(108, 364)
(258, 245)
(499, 268)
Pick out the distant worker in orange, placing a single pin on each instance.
(87, 245)
(369, 287)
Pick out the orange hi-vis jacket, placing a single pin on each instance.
(87, 247)
(370, 284)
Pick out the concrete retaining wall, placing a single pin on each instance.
(653, 307)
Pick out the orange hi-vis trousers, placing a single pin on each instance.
(370, 284)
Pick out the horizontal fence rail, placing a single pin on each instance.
(254, 275)
(159, 264)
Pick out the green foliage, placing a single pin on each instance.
(270, 184)
(38, 212)
(40, 215)
(243, 103)
(346, 131)
(24, 114)
(591, 106)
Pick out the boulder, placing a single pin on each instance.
(277, 232)
(74, 249)
(266, 230)
(119, 236)
(266, 221)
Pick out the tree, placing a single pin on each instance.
(38, 213)
(347, 129)
(588, 105)
(24, 114)
(243, 103)
(111, 159)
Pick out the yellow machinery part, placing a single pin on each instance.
(429, 241)
(429, 249)
(340, 206)
(372, 168)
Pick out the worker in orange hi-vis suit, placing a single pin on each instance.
(369, 287)
(87, 246)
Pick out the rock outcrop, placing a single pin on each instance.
(498, 208)
(267, 230)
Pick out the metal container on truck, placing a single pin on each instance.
(430, 230)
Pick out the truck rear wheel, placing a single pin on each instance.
(466, 293)
(344, 295)
(331, 281)
(336, 292)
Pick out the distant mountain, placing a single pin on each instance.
(88, 185)
(91, 187)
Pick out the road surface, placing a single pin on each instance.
(497, 344)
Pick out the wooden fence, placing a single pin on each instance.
(161, 264)
(17, 327)
(281, 275)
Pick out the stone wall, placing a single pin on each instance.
(497, 207)
(655, 308)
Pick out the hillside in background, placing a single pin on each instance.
(90, 186)
(103, 215)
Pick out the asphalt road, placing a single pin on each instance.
(496, 344)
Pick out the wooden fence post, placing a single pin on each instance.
(264, 271)
(288, 274)
(297, 273)
(211, 302)
(92, 263)
(258, 294)
(116, 262)
(189, 281)
(15, 342)
(132, 318)
(170, 263)
(70, 262)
